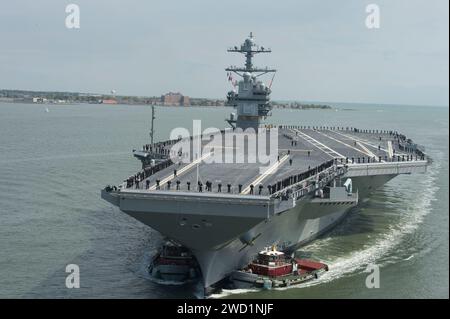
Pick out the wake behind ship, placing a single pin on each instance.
(226, 211)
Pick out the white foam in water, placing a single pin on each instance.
(167, 282)
(228, 292)
(358, 260)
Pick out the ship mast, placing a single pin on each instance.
(249, 49)
(152, 131)
(252, 98)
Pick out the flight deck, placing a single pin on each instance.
(300, 150)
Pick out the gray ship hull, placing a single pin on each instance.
(290, 230)
(225, 234)
(225, 231)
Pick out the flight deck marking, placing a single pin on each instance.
(362, 141)
(294, 150)
(269, 171)
(365, 151)
(390, 151)
(367, 143)
(319, 145)
(220, 147)
(181, 171)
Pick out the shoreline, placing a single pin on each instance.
(299, 107)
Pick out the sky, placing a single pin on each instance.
(322, 50)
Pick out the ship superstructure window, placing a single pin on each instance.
(248, 108)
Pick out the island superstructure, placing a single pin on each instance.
(224, 213)
(252, 100)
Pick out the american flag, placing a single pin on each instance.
(230, 79)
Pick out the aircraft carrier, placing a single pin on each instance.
(228, 209)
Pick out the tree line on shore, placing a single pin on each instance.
(25, 96)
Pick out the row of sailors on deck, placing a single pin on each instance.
(369, 159)
(394, 158)
(159, 147)
(208, 186)
(342, 128)
(147, 172)
(155, 149)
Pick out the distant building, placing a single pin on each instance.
(39, 100)
(109, 101)
(185, 101)
(175, 99)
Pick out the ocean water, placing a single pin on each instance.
(53, 165)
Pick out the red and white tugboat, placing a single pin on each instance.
(273, 269)
(173, 264)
